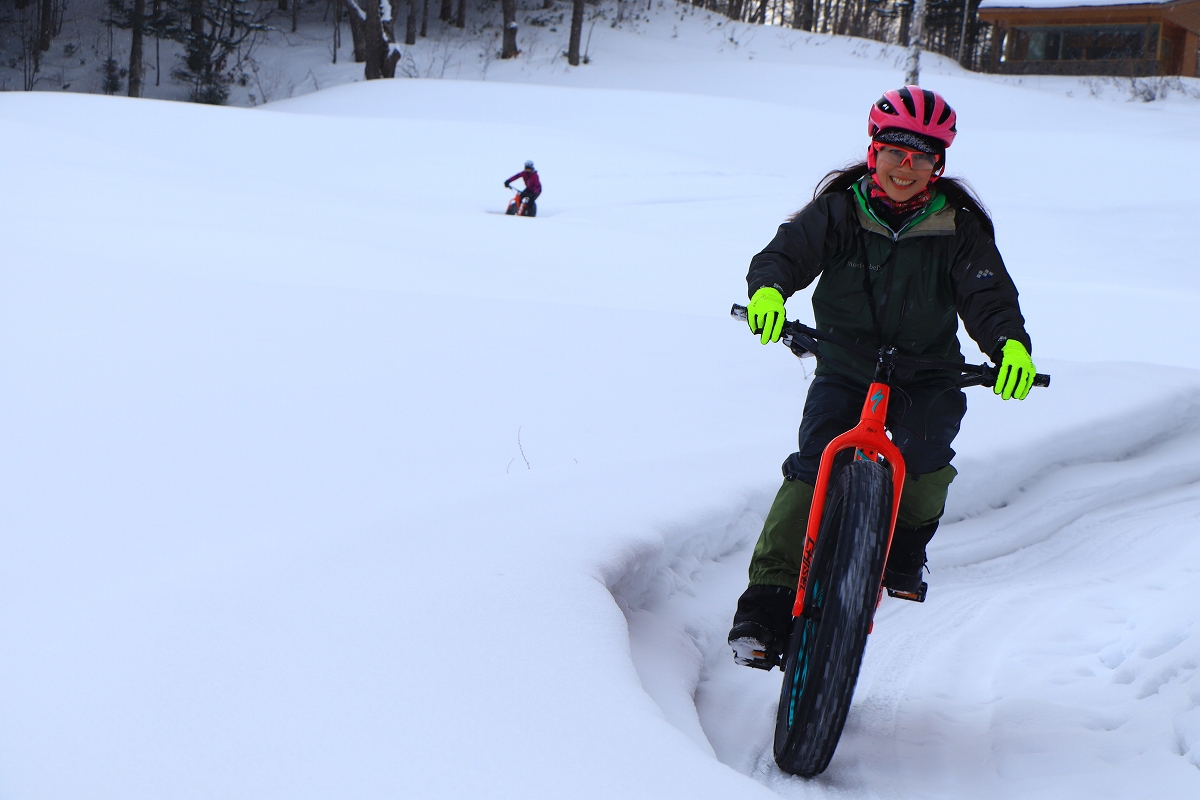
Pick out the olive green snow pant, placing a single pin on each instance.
(776, 559)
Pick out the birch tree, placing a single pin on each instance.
(916, 40)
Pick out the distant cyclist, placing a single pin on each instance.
(533, 188)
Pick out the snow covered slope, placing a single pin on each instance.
(323, 479)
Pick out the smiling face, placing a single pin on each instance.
(901, 177)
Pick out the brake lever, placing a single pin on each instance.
(802, 346)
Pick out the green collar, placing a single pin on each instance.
(935, 205)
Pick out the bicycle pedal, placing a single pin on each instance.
(750, 653)
(917, 597)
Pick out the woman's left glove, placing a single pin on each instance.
(766, 314)
(1016, 371)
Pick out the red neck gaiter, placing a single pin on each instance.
(900, 208)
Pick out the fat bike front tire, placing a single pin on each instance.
(826, 646)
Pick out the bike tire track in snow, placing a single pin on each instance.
(1056, 656)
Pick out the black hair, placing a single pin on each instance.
(958, 192)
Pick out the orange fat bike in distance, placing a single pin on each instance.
(521, 206)
(854, 508)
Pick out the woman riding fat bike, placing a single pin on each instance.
(901, 253)
(525, 203)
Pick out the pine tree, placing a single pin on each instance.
(112, 76)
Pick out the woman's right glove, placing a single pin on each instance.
(766, 314)
(1016, 371)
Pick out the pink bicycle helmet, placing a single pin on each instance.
(916, 110)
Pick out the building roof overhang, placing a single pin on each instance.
(1057, 4)
(1184, 13)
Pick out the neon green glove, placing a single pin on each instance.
(1016, 371)
(766, 314)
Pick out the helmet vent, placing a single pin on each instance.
(929, 103)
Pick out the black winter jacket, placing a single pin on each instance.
(941, 266)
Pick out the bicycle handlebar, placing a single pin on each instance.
(803, 340)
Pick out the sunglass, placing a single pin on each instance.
(900, 156)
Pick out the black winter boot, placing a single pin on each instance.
(761, 626)
(905, 569)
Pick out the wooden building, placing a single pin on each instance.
(1100, 37)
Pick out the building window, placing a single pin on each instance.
(1083, 43)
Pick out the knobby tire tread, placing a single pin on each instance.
(826, 646)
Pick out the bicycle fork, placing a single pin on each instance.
(869, 441)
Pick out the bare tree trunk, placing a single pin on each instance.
(295, 14)
(195, 60)
(447, 10)
(196, 10)
(962, 32)
(379, 39)
(283, 5)
(916, 40)
(387, 14)
(734, 9)
(45, 25)
(410, 23)
(337, 28)
(802, 15)
(155, 15)
(509, 9)
(849, 17)
(357, 19)
(460, 20)
(425, 19)
(853, 18)
(576, 33)
(135, 49)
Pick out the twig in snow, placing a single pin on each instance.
(588, 47)
(521, 448)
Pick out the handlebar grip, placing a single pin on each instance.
(989, 377)
(739, 312)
